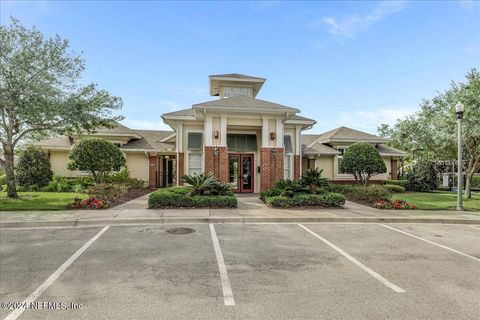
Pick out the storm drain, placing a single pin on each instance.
(180, 230)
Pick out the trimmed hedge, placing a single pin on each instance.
(402, 183)
(394, 188)
(178, 197)
(326, 200)
(366, 195)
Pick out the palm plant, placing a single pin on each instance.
(200, 183)
(312, 179)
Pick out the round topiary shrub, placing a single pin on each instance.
(33, 167)
(362, 161)
(97, 156)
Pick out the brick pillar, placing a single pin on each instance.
(394, 169)
(296, 167)
(311, 163)
(180, 166)
(217, 162)
(152, 171)
(271, 167)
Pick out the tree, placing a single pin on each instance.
(423, 177)
(97, 156)
(312, 179)
(431, 132)
(362, 161)
(40, 91)
(33, 167)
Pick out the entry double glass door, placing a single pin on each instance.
(241, 172)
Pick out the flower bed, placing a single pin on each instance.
(179, 197)
(366, 195)
(397, 204)
(89, 203)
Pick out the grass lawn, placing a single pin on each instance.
(438, 200)
(38, 201)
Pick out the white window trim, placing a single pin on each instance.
(289, 156)
(185, 145)
(338, 174)
(291, 141)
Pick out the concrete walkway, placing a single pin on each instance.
(250, 209)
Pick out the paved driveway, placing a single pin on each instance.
(239, 271)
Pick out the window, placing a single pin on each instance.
(242, 142)
(286, 167)
(229, 92)
(340, 159)
(194, 163)
(195, 141)
(287, 142)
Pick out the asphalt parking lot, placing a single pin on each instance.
(242, 271)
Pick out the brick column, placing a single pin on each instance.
(152, 171)
(296, 167)
(180, 166)
(217, 163)
(271, 167)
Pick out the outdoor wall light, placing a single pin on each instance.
(273, 152)
(216, 134)
(215, 151)
(273, 135)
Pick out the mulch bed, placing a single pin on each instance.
(132, 194)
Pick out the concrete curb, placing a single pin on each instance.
(240, 220)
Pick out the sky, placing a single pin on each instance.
(356, 64)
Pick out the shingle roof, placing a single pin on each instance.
(150, 141)
(235, 75)
(318, 148)
(185, 112)
(385, 150)
(61, 142)
(296, 117)
(348, 134)
(244, 103)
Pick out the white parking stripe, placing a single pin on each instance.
(227, 289)
(47, 283)
(356, 262)
(476, 227)
(431, 242)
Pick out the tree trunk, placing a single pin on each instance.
(473, 167)
(9, 170)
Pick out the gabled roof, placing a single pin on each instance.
(185, 113)
(344, 134)
(150, 141)
(244, 104)
(389, 151)
(235, 75)
(296, 119)
(318, 149)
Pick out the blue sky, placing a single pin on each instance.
(356, 64)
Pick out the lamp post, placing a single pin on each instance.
(459, 108)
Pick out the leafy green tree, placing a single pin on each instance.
(431, 132)
(33, 167)
(97, 156)
(423, 177)
(312, 179)
(362, 161)
(40, 91)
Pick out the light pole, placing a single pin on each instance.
(459, 108)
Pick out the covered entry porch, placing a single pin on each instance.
(162, 170)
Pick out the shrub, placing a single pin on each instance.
(312, 179)
(64, 184)
(362, 161)
(90, 203)
(33, 167)
(402, 183)
(206, 184)
(398, 204)
(179, 197)
(108, 192)
(394, 188)
(289, 188)
(97, 156)
(423, 177)
(307, 200)
(363, 194)
(123, 177)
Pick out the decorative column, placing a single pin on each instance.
(216, 156)
(152, 171)
(180, 154)
(297, 161)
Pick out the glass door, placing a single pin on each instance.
(234, 171)
(246, 177)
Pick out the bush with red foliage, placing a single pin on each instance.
(89, 203)
(397, 204)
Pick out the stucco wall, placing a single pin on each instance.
(137, 164)
(326, 164)
(58, 162)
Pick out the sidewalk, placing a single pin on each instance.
(250, 210)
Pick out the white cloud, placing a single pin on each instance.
(351, 25)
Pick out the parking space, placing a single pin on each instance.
(273, 271)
